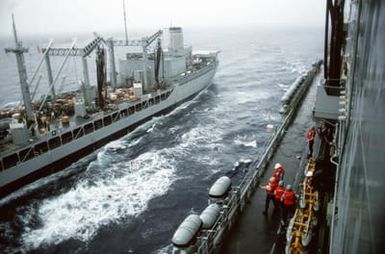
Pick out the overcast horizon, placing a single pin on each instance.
(57, 17)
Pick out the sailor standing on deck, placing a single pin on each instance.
(288, 200)
(279, 172)
(310, 139)
(269, 188)
(278, 192)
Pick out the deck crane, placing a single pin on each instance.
(145, 42)
(84, 52)
(72, 51)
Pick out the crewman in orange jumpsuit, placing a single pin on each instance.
(278, 192)
(288, 200)
(269, 188)
(279, 172)
(310, 140)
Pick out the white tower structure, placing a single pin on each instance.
(176, 45)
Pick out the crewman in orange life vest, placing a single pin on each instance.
(310, 139)
(269, 188)
(278, 192)
(288, 200)
(279, 172)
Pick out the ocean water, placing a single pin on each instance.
(131, 195)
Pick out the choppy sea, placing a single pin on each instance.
(131, 195)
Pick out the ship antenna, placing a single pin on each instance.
(125, 20)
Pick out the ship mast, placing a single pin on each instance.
(125, 20)
(19, 52)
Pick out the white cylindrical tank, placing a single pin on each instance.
(210, 215)
(176, 39)
(186, 232)
(220, 188)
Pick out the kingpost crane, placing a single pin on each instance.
(145, 42)
(72, 51)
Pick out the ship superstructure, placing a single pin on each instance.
(47, 135)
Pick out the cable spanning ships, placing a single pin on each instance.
(42, 137)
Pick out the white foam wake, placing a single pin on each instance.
(205, 135)
(116, 145)
(283, 86)
(79, 213)
(246, 144)
(113, 191)
(244, 140)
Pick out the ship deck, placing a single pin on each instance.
(255, 232)
(74, 121)
(114, 106)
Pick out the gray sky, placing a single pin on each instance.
(78, 16)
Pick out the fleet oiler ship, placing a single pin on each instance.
(43, 136)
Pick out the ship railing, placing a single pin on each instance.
(258, 167)
(57, 138)
(209, 240)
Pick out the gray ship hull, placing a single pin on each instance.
(61, 157)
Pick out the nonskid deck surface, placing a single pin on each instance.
(255, 232)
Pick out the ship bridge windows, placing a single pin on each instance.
(157, 99)
(78, 132)
(54, 143)
(66, 137)
(138, 107)
(163, 96)
(26, 154)
(88, 128)
(10, 160)
(107, 120)
(41, 148)
(151, 101)
(98, 124)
